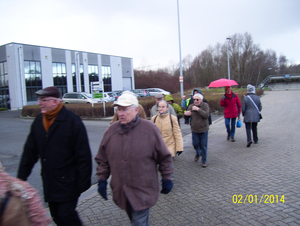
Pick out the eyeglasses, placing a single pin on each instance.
(197, 99)
(44, 100)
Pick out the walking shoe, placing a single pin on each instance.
(228, 136)
(232, 139)
(204, 165)
(249, 144)
(196, 158)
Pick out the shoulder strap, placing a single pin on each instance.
(155, 118)
(254, 104)
(170, 119)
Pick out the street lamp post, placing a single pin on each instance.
(181, 76)
(228, 39)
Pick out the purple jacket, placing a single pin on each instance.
(131, 156)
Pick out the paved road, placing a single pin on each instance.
(265, 171)
(14, 131)
(206, 196)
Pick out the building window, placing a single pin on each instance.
(33, 78)
(60, 77)
(106, 77)
(4, 91)
(82, 78)
(93, 75)
(74, 78)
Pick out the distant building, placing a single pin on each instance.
(24, 69)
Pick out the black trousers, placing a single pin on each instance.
(251, 126)
(64, 213)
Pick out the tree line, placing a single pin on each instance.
(248, 64)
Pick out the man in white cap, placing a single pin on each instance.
(130, 151)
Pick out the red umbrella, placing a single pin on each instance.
(223, 82)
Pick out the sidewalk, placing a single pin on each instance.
(235, 173)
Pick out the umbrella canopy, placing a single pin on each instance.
(222, 82)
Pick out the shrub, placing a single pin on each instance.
(213, 96)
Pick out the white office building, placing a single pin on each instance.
(24, 69)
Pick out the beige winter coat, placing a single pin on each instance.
(171, 136)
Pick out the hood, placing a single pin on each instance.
(199, 91)
(169, 98)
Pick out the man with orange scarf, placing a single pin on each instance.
(59, 138)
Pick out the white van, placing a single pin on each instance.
(79, 98)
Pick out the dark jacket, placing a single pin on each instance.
(191, 101)
(132, 157)
(65, 157)
(249, 111)
(232, 106)
(199, 119)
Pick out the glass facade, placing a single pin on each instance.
(4, 92)
(33, 78)
(93, 75)
(60, 77)
(106, 77)
(82, 78)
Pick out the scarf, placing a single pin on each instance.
(229, 95)
(48, 117)
(164, 113)
(128, 126)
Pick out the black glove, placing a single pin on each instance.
(167, 186)
(179, 153)
(102, 186)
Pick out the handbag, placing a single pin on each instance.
(14, 211)
(260, 116)
(239, 124)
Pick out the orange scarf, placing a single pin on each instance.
(48, 117)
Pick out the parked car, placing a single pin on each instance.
(114, 94)
(79, 98)
(141, 92)
(119, 93)
(154, 91)
(108, 97)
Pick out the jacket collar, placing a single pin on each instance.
(128, 127)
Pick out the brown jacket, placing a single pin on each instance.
(199, 119)
(172, 135)
(131, 157)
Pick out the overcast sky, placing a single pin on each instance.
(147, 30)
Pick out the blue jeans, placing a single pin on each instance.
(200, 144)
(231, 130)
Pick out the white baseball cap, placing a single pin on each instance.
(126, 99)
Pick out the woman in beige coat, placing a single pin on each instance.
(169, 128)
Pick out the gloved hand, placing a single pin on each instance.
(179, 153)
(102, 186)
(167, 186)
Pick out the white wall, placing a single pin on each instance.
(46, 65)
(116, 73)
(17, 92)
(69, 71)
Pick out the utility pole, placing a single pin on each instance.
(181, 76)
(228, 39)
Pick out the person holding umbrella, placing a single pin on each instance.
(232, 109)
